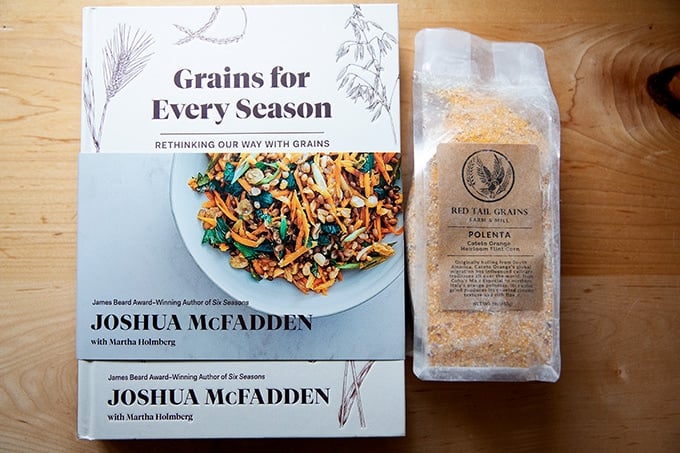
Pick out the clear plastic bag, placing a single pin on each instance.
(483, 211)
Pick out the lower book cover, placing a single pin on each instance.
(240, 399)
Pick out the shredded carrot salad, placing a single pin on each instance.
(301, 217)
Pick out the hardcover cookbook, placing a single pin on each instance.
(240, 248)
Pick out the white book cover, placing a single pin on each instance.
(239, 216)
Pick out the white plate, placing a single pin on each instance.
(277, 296)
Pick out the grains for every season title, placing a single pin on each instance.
(244, 108)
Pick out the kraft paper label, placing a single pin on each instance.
(490, 230)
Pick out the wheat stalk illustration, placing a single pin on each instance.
(363, 79)
(126, 55)
(469, 173)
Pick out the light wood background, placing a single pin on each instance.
(620, 385)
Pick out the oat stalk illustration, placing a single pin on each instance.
(126, 55)
(363, 78)
(200, 32)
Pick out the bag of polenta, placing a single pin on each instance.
(483, 213)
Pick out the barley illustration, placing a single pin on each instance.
(125, 56)
(363, 78)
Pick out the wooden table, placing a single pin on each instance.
(620, 385)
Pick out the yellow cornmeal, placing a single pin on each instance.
(514, 339)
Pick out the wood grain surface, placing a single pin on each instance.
(620, 319)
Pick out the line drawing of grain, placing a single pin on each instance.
(353, 393)
(363, 78)
(200, 33)
(126, 54)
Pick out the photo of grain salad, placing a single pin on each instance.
(305, 218)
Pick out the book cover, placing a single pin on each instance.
(240, 256)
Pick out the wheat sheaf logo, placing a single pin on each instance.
(488, 175)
